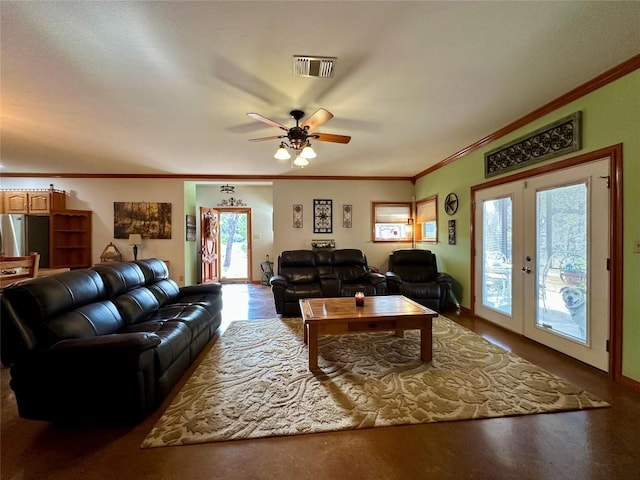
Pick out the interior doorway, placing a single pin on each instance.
(235, 244)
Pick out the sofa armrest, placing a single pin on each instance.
(278, 281)
(98, 380)
(120, 343)
(444, 278)
(376, 278)
(394, 277)
(203, 288)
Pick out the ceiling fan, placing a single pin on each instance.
(299, 136)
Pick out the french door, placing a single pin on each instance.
(542, 250)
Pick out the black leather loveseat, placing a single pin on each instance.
(322, 273)
(105, 344)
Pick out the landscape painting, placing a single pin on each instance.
(150, 219)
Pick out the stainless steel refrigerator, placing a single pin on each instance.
(23, 234)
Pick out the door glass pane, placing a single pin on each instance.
(561, 260)
(233, 245)
(496, 247)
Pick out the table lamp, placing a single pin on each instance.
(135, 239)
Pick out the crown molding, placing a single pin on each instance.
(600, 81)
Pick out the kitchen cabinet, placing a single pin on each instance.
(34, 202)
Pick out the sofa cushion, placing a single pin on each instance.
(120, 277)
(136, 305)
(165, 291)
(153, 270)
(297, 258)
(306, 290)
(420, 290)
(37, 300)
(350, 265)
(195, 317)
(101, 318)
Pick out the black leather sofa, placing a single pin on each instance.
(105, 344)
(414, 274)
(322, 273)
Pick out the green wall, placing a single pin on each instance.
(190, 248)
(610, 115)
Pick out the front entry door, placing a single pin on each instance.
(209, 241)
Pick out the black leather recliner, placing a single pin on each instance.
(414, 274)
(322, 274)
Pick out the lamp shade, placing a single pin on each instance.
(282, 153)
(135, 239)
(308, 152)
(301, 161)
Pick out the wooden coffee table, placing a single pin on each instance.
(337, 316)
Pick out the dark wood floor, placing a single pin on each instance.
(594, 444)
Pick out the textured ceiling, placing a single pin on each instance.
(164, 87)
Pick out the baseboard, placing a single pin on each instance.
(630, 382)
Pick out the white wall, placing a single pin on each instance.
(269, 204)
(98, 195)
(358, 193)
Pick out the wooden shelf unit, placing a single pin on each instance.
(70, 239)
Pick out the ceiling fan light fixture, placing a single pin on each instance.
(300, 161)
(227, 188)
(282, 153)
(308, 152)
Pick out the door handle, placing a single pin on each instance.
(526, 269)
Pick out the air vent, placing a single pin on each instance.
(304, 66)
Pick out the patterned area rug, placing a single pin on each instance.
(254, 383)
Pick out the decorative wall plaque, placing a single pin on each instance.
(297, 216)
(558, 138)
(347, 216)
(452, 232)
(322, 216)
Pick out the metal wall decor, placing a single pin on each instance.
(347, 216)
(452, 232)
(322, 216)
(557, 138)
(297, 216)
(328, 244)
(231, 202)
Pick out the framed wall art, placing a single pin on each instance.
(149, 219)
(347, 211)
(297, 216)
(322, 216)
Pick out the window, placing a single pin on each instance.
(391, 221)
(427, 220)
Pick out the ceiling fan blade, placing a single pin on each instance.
(262, 139)
(273, 123)
(330, 137)
(320, 117)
